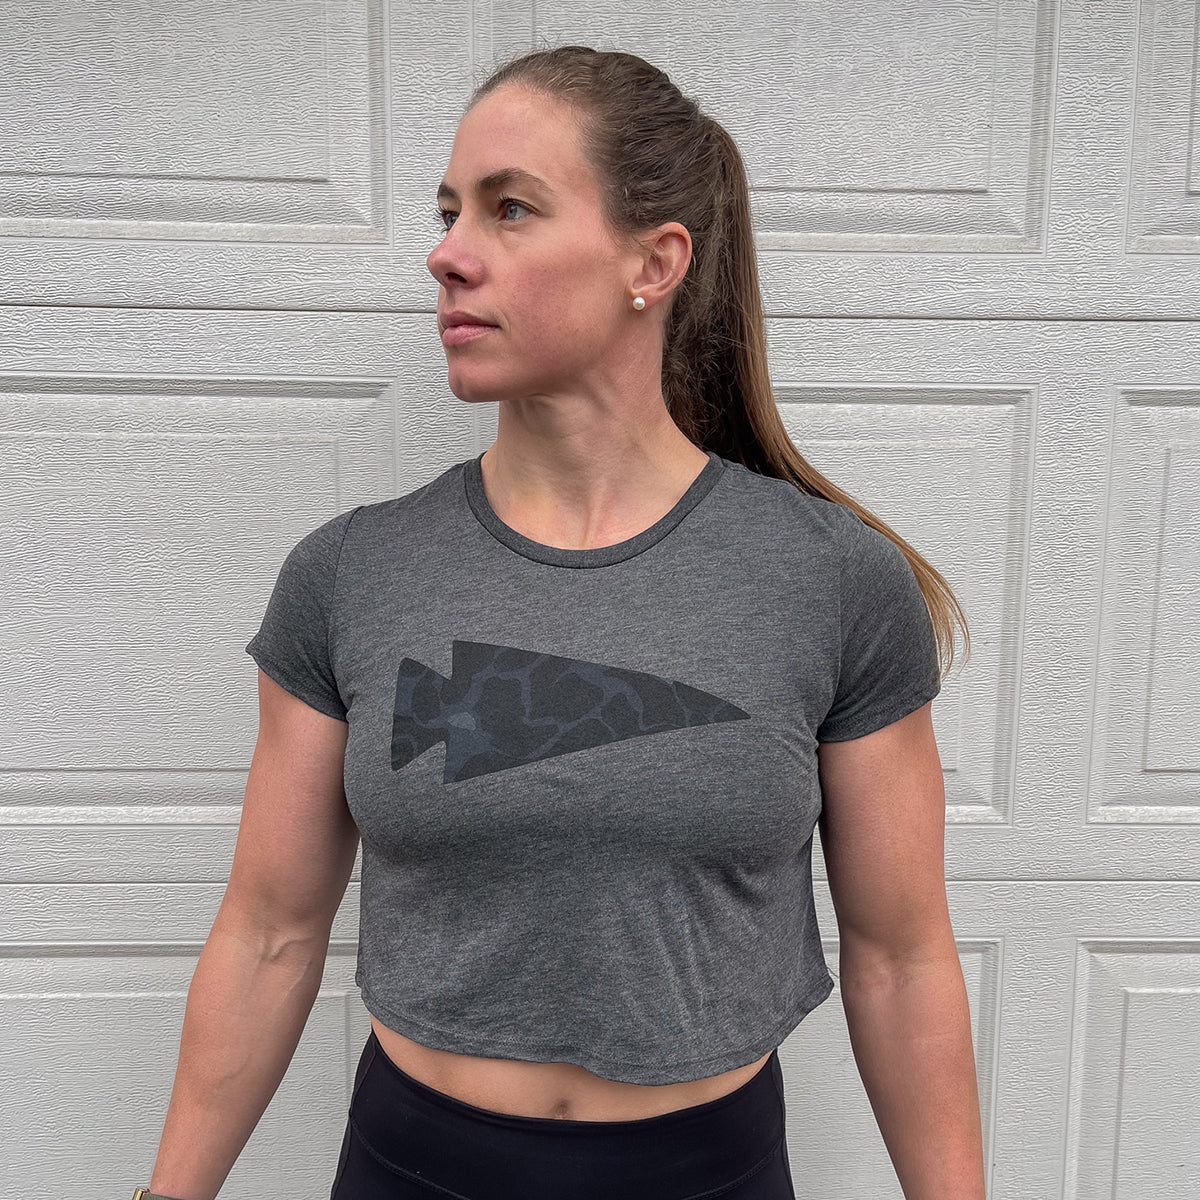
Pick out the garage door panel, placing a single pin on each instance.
(1134, 1065)
(214, 153)
(1165, 197)
(1146, 744)
(1063, 517)
(259, 123)
(150, 525)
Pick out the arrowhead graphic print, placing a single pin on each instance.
(503, 707)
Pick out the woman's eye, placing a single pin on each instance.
(446, 217)
(513, 210)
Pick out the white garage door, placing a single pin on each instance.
(979, 223)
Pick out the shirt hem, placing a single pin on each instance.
(604, 1066)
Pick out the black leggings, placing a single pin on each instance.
(407, 1141)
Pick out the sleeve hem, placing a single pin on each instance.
(875, 719)
(314, 699)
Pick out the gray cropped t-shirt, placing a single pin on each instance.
(586, 780)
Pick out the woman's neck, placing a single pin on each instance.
(576, 475)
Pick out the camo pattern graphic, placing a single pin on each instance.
(503, 707)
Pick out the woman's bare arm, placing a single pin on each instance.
(259, 971)
(882, 832)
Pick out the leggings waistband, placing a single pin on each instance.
(421, 1132)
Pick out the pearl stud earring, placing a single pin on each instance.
(639, 302)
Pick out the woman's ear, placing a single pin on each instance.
(666, 253)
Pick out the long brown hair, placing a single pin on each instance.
(659, 159)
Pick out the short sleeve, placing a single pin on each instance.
(292, 644)
(888, 660)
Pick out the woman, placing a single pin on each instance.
(588, 695)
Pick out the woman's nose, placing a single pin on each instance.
(450, 262)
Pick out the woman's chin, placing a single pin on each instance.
(476, 391)
(471, 396)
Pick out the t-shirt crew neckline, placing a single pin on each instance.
(597, 556)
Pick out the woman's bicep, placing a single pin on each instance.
(296, 839)
(882, 835)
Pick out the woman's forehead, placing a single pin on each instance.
(513, 130)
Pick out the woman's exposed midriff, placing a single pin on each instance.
(554, 1089)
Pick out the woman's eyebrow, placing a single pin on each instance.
(497, 181)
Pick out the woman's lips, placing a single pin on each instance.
(456, 335)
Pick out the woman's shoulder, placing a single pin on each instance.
(444, 491)
(786, 512)
(378, 517)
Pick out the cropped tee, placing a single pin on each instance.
(586, 780)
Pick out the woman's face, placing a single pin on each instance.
(535, 288)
